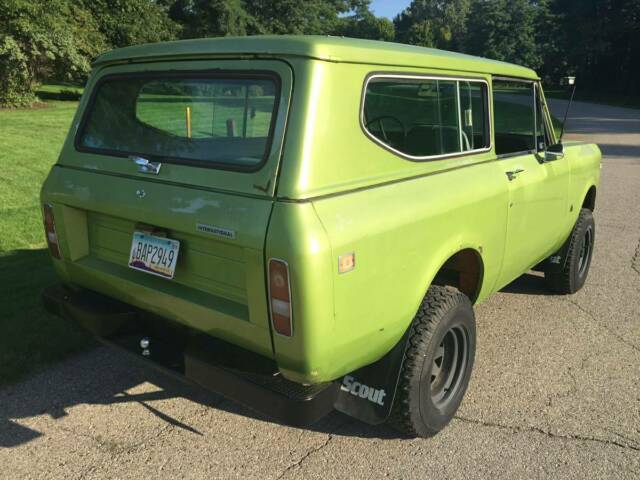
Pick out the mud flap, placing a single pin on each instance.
(555, 262)
(368, 393)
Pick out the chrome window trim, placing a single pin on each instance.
(460, 116)
(513, 79)
(548, 132)
(455, 79)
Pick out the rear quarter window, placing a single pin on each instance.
(218, 120)
(423, 117)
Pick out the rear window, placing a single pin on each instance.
(218, 121)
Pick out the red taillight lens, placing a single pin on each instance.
(280, 297)
(50, 230)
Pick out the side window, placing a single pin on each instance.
(426, 117)
(514, 116)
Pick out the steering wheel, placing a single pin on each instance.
(465, 138)
(379, 121)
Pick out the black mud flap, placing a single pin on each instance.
(368, 393)
(555, 263)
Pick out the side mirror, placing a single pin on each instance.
(554, 152)
(556, 148)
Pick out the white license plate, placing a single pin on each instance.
(155, 255)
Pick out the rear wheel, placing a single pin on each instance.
(576, 268)
(437, 365)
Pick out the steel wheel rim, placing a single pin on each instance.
(585, 251)
(449, 365)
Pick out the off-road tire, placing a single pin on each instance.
(443, 312)
(576, 266)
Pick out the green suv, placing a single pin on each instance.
(304, 223)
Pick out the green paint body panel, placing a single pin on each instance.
(325, 190)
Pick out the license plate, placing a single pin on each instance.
(154, 255)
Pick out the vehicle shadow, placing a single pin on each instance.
(29, 336)
(31, 339)
(106, 376)
(528, 284)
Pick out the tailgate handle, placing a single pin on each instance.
(145, 165)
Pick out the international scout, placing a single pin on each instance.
(305, 223)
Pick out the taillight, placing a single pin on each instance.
(280, 297)
(50, 230)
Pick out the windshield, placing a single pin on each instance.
(215, 120)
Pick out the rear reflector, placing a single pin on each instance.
(280, 297)
(50, 230)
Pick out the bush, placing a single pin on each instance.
(16, 89)
(57, 39)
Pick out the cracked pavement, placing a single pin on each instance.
(635, 261)
(554, 392)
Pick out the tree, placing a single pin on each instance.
(433, 23)
(38, 40)
(551, 42)
(211, 18)
(600, 43)
(504, 30)
(299, 17)
(362, 23)
(215, 18)
(129, 22)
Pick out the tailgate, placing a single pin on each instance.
(215, 130)
(219, 282)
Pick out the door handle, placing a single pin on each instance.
(512, 174)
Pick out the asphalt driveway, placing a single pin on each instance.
(555, 392)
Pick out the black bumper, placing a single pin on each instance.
(235, 373)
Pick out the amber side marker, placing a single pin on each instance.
(346, 262)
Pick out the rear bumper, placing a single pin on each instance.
(235, 373)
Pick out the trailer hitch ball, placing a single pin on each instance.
(145, 343)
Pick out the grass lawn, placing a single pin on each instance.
(30, 141)
(209, 115)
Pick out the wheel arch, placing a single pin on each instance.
(463, 270)
(589, 201)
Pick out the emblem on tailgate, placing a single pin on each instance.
(217, 231)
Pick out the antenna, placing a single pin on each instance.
(571, 81)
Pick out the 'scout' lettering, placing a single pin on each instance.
(349, 384)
